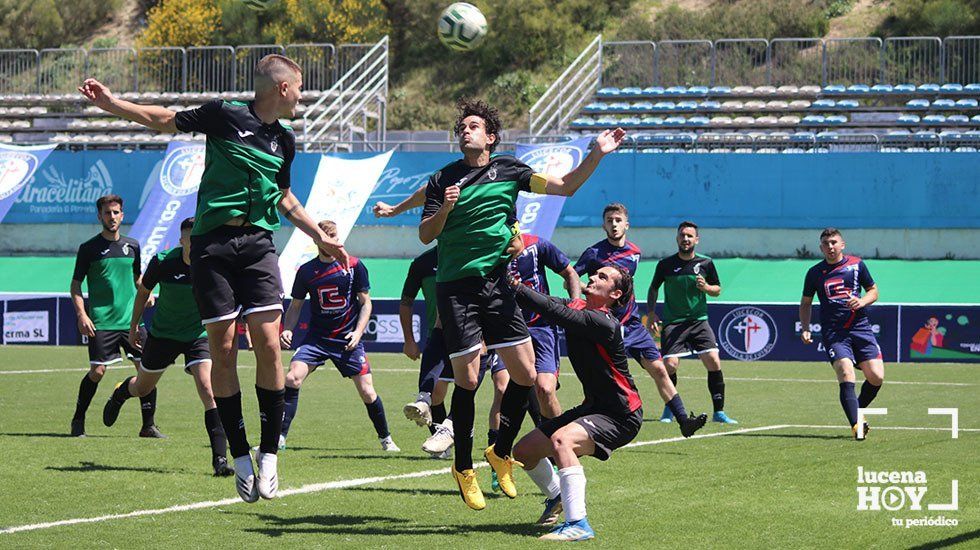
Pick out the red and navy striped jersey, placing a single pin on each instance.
(834, 285)
(604, 253)
(595, 349)
(333, 295)
(530, 265)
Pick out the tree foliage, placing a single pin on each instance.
(181, 23)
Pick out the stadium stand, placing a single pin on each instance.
(344, 99)
(784, 95)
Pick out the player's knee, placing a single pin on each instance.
(521, 454)
(96, 372)
(544, 392)
(559, 442)
(875, 378)
(468, 382)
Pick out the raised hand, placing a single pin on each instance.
(609, 140)
(96, 92)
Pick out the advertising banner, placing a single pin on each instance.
(17, 167)
(538, 214)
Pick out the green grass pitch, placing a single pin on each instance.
(786, 477)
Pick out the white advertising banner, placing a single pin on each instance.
(21, 327)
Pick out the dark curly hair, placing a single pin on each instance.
(623, 284)
(474, 107)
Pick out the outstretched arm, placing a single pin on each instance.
(154, 117)
(567, 185)
(579, 322)
(385, 210)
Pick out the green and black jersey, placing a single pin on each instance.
(246, 164)
(422, 276)
(683, 301)
(111, 268)
(474, 240)
(176, 316)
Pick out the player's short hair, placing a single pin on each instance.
(830, 232)
(327, 226)
(615, 207)
(108, 199)
(466, 107)
(273, 69)
(188, 223)
(624, 284)
(686, 223)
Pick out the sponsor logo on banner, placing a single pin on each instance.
(25, 327)
(538, 214)
(747, 333)
(15, 169)
(182, 170)
(387, 328)
(52, 192)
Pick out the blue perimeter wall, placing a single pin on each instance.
(849, 190)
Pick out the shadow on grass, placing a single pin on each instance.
(794, 436)
(428, 492)
(947, 542)
(344, 524)
(388, 456)
(93, 467)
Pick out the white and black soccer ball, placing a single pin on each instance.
(258, 5)
(462, 27)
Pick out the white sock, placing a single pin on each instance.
(572, 481)
(543, 475)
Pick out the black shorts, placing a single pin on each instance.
(686, 338)
(235, 270)
(609, 431)
(474, 310)
(160, 353)
(103, 348)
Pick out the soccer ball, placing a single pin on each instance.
(258, 5)
(462, 27)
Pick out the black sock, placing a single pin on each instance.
(148, 407)
(463, 408)
(676, 406)
(534, 409)
(291, 399)
(376, 412)
(121, 394)
(438, 415)
(212, 423)
(673, 379)
(716, 386)
(868, 393)
(86, 391)
(849, 402)
(492, 436)
(271, 409)
(230, 411)
(513, 406)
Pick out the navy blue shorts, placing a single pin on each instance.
(435, 361)
(546, 356)
(348, 363)
(638, 342)
(857, 345)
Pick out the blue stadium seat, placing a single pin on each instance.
(582, 122)
(904, 88)
(676, 90)
(618, 106)
(721, 120)
(834, 89)
(697, 91)
(793, 151)
(827, 137)
(607, 121)
(652, 121)
(951, 88)
(969, 103)
(632, 90)
(925, 137)
(965, 150)
(596, 106)
(663, 106)
(975, 119)
(802, 137)
(641, 106)
(687, 105)
(934, 119)
(698, 121)
(972, 88)
(675, 121)
(653, 91)
(629, 121)
(957, 119)
(848, 104)
(943, 104)
(609, 92)
(858, 89)
(882, 88)
(813, 120)
(823, 104)
(835, 119)
(720, 90)
(709, 106)
(917, 104)
(929, 88)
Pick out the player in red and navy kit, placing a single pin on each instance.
(339, 313)
(530, 266)
(616, 250)
(845, 329)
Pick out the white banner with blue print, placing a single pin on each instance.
(538, 214)
(172, 197)
(17, 167)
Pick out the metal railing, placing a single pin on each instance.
(159, 69)
(350, 97)
(572, 89)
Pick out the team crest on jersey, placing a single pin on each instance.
(747, 333)
(182, 170)
(125, 249)
(492, 173)
(697, 269)
(274, 145)
(15, 169)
